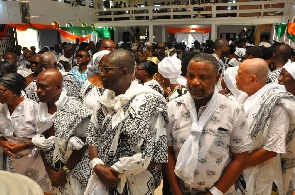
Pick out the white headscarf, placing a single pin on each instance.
(98, 55)
(14, 184)
(230, 80)
(170, 68)
(290, 67)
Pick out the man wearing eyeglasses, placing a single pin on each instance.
(80, 73)
(126, 137)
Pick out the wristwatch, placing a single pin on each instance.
(67, 170)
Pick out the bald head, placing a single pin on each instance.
(258, 67)
(107, 44)
(252, 75)
(53, 75)
(49, 86)
(122, 58)
(48, 60)
(282, 53)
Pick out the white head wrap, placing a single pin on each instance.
(265, 44)
(97, 56)
(230, 80)
(290, 67)
(14, 183)
(170, 68)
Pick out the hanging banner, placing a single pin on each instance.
(280, 29)
(182, 30)
(3, 30)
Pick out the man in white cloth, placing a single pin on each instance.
(270, 116)
(62, 123)
(126, 136)
(208, 137)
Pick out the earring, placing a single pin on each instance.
(14, 95)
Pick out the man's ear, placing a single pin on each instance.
(124, 72)
(58, 86)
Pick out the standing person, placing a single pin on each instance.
(105, 44)
(282, 53)
(80, 72)
(221, 51)
(170, 77)
(31, 86)
(18, 124)
(144, 72)
(126, 137)
(270, 113)
(208, 137)
(62, 123)
(68, 55)
(92, 88)
(47, 61)
(11, 57)
(25, 66)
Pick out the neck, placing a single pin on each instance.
(122, 89)
(15, 101)
(255, 89)
(279, 64)
(202, 102)
(219, 54)
(51, 107)
(82, 68)
(147, 79)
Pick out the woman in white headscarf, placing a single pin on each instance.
(92, 87)
(228, 83)
(170, 69)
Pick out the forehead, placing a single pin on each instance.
(82, 52)
(36, 58)
(201, 66)
(107, 43)
(45, 80)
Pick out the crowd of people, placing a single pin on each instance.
(111, 119)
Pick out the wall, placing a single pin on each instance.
(45, 12)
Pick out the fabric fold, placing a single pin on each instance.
(188, 155)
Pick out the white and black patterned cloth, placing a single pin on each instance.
(69, 122)
(155, 86)
(271, 119)
(145, 118)
(71, 84)
(273, 76)
(31, 91)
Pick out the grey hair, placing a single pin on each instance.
(207, 58)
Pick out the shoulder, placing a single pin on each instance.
(179, 101)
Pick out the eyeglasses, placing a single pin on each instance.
(107, 68)
(80, 56)
(2, 91)
(36, 63)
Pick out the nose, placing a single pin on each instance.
(196, 81)
(38, 90)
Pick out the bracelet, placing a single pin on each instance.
(95, 161)
(66, 169)
(215, 191)
(26, 145)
